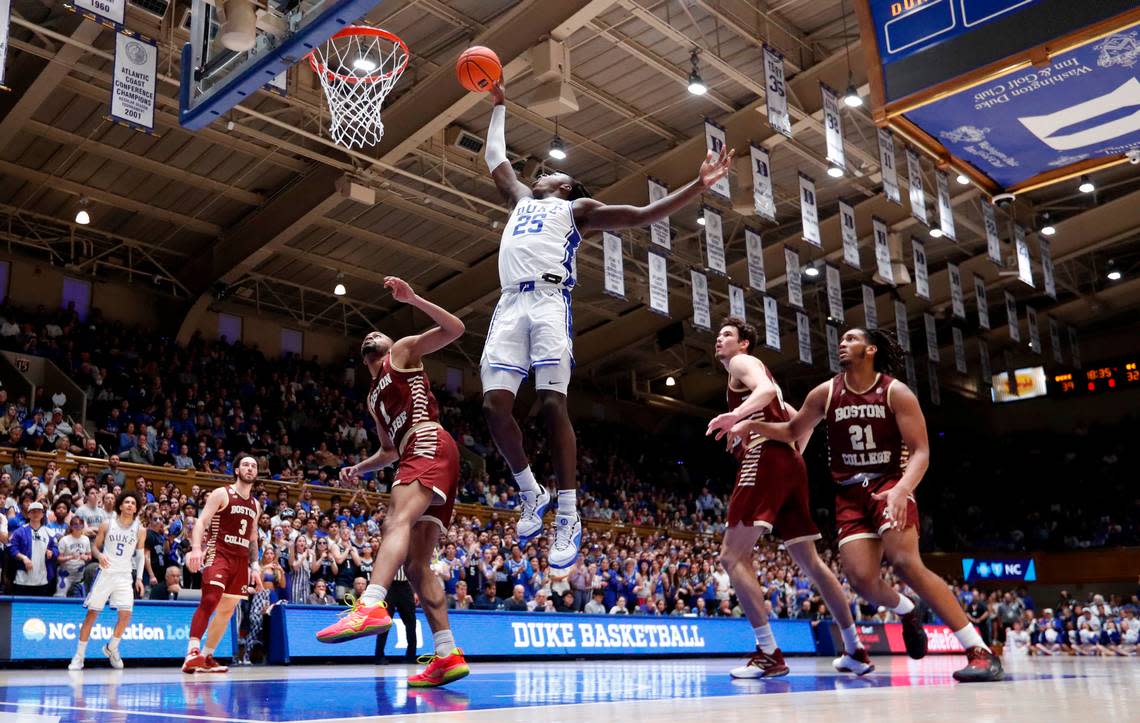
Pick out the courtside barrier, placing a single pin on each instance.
(886, 638)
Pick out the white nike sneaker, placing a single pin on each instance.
(529, 525)
(76, 663)
(567, 540)
(860, 663)
(113, 656)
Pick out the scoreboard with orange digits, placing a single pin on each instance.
(1111, 377)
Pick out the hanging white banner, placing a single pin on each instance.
(714, 239)
(887, 165)
(5, 27)
(984, 362)
(701, 317)
(614, 264)
(902, 326)
(945, 207)
(1034, 331)
(1074, 348)
(935, 387)
(715, 141)
(1055, 340)
(1046, 248)
(793, 277)
(959, 351)
(809, 213)
(833, 126)
(921, 276)
(993, 241)
(1024, 264)
(982, 302)
(870, 308)
(850, 235)
(882, 251)
(833, 348)
(757, 279)
(776, 93)
(803, 336)
(834, 294)
(911, 377)
(1011, 317)
(763, 197)
(931, 337)
(135, 74)
(659, 231)
(111, 11)
(736, 305)
(771, 324)
(917, 194)
(658, 284)
(957, 298)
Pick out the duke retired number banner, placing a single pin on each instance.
(771, 324)
(736, 302)
(870, 308)
(658, 284)
(911, 377)
(701, 317)
(809, 212)
(1074, 348)
(776, 93)
(757, 279)
(793, 277)
(993, 241)
(614, 265)
(921, 275)
(945, 206)
(882, 251)
(803, 337)
(1034, 331)
(931, 337)
(1024, 265)
(832, 348)
(887, 164)
(984, 362)
(833, 126)
(715, 141)
(1011, 317)
(982, 301)
(1046, 248)
(111, 11)
(902, 326)
(957, 301)
(763, 197)
(834, 293)
(5, 26)
(659, 232)
(133, 89)
(917, 193)
(1055, 340)
(935, 387)
(850, 235)
(959, 351)
(714, 240)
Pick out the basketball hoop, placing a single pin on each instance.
(358, 67)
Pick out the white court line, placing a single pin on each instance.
(127, 711)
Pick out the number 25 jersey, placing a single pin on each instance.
(539, 243)
(862, 433)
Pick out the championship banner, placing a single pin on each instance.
(736, 305)
(982, 302)
(850, 235)
(5, 27)
(882, 251)
(917, 194)
(902, 326)
(1024, 265)
(1034, 331)
(1011, 317)
(715, 141)
(776, 94)
(931, 337)
(794, 277)
(1074, 348)
(833, 126)
(771, 324)
(993, 240)
(832, 348)
(834, 293)
(714, 239)
(984, 362)
(945, 207)
(1046, 248)
(809, 214)
(959, 350)
(701, 317)
(658, 284)
(911, 377)
(763, 197)
(133, 87)
(107, 12)
(957, 299)
(921, 276)
(803, 337)
(935, 387)
(614, 265)
(887, 164)
(659, 232)
(757, 279)
(870, 308)
(1055, 340)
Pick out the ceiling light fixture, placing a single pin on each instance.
(963, 179)
(81, 216)
(701, 219)
(1087, 185)
(834, 171)
(696, 82)
(557, 149)
(851, 98)
(364, 65)
(811, 271)
(935, 232)
(339, 289)
(1047, 227)
(1113, 272)
(670, 382)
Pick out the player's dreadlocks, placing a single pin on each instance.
(889, 357)
(577, 190)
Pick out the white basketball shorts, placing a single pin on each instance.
(118, 587)
(532, 328)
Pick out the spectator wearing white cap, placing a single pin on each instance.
(35, 552)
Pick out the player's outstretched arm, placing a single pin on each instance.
(750, 371)
(798, 427)
(408, 351)
(511, 189)
(591, 215)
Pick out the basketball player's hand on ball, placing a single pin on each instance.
(498, 93)
(194, 560)
(716, 166)
(401, 290)
(896, 506)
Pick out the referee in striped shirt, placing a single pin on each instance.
(401, 600)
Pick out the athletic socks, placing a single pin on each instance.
(195, 644)
(114, 644)
(905, 605)
(81, 649)
(444, 643)
(568, 503)
(850, 640)
(764, 638)
(207, 651)
(969, 637)
(526, 481)
(373, 594)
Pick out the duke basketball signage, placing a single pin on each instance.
(974, 570)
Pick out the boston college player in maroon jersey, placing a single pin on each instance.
(879, 452)
(231, 556)
(423, 492)
(771, 495)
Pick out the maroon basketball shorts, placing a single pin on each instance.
(431, 458)
(859, 516)
(772, 492)
(229, 573)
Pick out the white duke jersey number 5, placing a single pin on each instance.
(539, 243)
(119, 545)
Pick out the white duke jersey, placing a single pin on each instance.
(119, 545)
(539, 243)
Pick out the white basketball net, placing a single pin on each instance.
(358, 67)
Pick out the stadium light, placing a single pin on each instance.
(670, 382)
(834, 171)
(339, 289)
(1087, 185)
(963, 179)
(557, 149)
(696, 82)
(81, 216)
(935, 232)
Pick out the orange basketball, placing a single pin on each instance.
(478, 69)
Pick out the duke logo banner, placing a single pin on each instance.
(1034, 331)
(763, 197)
(794, 278)
(736, 302)
(715, 141)
(135, 73)
(833, 348)
(850, 235)
(803, 336)
(701, 317)
(945, 206)
(1046, 248)
(809, 213)
(111, 11)
(1011, 317)
(870, 308)
(1055, 340)
(921, 277)
(833, 126)
(957, 302)
(834, 294)
(959, 351)
(714, 239)
(614, 264)
(1024, 265)
(776, 95)
(993, 241)
(931, 337)
(982, 301)
(757, 279)
(887, 164)
(917, 194)
(882, 251)
(902, 326)
(659, 232)
(658, 284)
(771, 324)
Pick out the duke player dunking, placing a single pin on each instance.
(879, 451)
(532, 326)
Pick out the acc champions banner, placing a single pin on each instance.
(293, 631)
(1083, 105)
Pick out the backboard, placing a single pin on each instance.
(215, 78)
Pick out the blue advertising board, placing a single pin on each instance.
(48, 628)
(906, 27)
(484, 633)
(981, 570)
(1083, 105)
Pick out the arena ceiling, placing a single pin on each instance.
(249, 210)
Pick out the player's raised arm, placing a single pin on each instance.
(798, 427)
(495, 153)
(750, 371)
(408, 351)
(591, 215)
(215, 502)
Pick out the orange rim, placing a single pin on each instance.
(364, 30)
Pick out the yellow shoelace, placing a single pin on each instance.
(355, 617)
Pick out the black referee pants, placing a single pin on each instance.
(401, 601)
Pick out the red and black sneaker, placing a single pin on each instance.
(762, 665)
(195, 662)
(213, 666)
(982, 666)
(914, 635)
